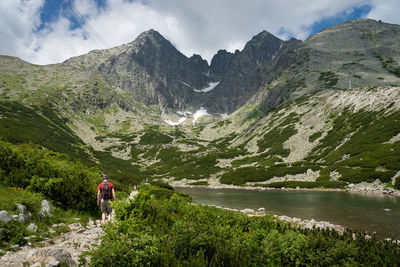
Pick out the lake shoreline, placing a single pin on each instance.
(302, 222)
(391, 192)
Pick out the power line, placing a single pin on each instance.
(26, 46)
(87, 24)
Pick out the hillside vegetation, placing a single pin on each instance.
(29, 175)
(162, 228)
(330, 139)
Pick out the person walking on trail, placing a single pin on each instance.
(105, 192)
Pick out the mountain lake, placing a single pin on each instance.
(361, 212)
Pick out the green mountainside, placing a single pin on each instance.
(324, 112)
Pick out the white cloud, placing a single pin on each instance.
(387, 11)
(18, 18)
(200, 27)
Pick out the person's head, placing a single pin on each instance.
(105, 177)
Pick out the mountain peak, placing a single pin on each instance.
(151, 35)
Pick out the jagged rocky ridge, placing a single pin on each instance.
(353, 54)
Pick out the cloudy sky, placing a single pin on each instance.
(51, 31)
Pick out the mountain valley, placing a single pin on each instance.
(322, 113)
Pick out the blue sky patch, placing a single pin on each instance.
(357, 12)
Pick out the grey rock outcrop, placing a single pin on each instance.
(53, 264)
(345, 56)
(52, 255)
(246, 211)
(45, 209)
(241, 80)
(220, 64)
(4, 216)
(23, 215)
(32, 227)
(156, 73)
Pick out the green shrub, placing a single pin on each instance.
(314, 136)
(274, 140)
(152, 137)
(358, 175)
(328, 78)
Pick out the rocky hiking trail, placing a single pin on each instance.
(62, 249)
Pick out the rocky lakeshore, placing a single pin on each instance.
(375, 187)
(302, 223)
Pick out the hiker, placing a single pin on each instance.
(105, 191)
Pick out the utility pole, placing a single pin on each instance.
(349, 84)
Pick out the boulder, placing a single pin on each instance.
(23, 215)
(32, 228)
(4, 216)
(53, 264)
(61, 255)
(310, 224)
(49, 255)
(90, 224)
(45, 209)
(66, 236)
(15, 248)
(247, 211)
(75, 226)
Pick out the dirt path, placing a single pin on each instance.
(64, 248)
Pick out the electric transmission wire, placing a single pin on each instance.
(26, 46)
(91, 31)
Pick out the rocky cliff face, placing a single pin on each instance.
(360, 53)
(220, 64)
(156, 73)
(235, 86)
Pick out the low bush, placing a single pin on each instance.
(274, 140)
(358, 175)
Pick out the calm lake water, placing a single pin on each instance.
(357, 211)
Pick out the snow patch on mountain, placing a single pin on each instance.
(199, 113)
(182, 119)
(210, 87)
